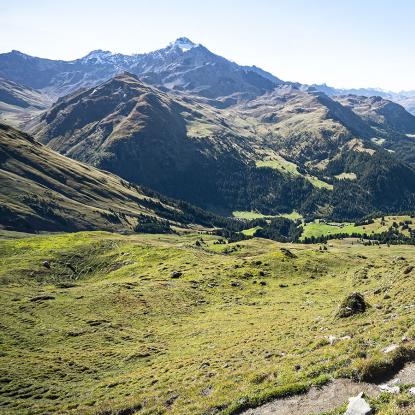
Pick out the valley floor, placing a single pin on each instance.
(100, 323)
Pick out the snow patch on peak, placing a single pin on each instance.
(99, 55)
(183, 43)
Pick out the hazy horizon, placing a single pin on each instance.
(349, 45)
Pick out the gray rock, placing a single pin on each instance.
(332, 340)
(408, 269)
(358, 406)
(389, 389)
(176, 274)
(390, 348)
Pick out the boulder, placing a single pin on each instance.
(288, 253)
(389, 389)
(332, 340)
(176, 274)
(358, 406)
(351, 305)
(40, 298)
(390, 348)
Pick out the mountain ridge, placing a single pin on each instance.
(182, 65)
(404, 98)
(235, 158)
(130, 62)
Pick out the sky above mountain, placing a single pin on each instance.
(344, 44)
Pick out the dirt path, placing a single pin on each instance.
(329, 397)
(407, 374)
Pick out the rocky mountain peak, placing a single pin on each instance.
(97, 56)
(183, 43)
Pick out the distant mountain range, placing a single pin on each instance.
(197, 127)
(181, 66)
(405, 98)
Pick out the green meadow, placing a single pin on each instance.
(319, 228)
(169, 324)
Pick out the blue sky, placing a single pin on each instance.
(345, 43)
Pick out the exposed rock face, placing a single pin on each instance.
(351, 305)
(389, 389)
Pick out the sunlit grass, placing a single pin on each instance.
(106, 327)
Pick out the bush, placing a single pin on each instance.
(280, 229)
(148, 224)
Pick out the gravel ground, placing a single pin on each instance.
(329, 397)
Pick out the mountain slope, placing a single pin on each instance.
(53, 77)
(19, 104)
(140, 133)
(393, 127)
(380, 113)
(273, 154)
(184, 149)
(42, 190)
(304, 126)
(408, 102)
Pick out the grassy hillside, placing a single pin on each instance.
(286, 150)
(178, 146)
(318, 228)
(41, 190)
(105, 329)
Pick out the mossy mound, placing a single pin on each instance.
(351, 305)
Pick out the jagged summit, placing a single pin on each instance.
(97, 56)
(101, 56)
(98, 52)
(183, 43)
